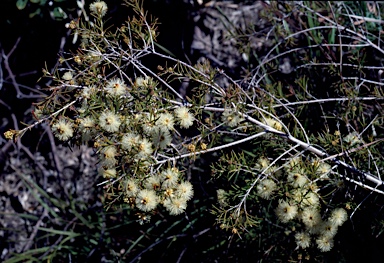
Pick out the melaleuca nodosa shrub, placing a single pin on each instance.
(325, 145)
(273, 165)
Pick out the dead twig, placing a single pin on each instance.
(19, 93)
(34, 232)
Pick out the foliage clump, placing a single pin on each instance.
(289, 147)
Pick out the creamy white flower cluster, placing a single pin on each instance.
(302, 202)
(128, 140)
(156, 126)
(165, 188)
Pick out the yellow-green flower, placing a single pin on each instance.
(175, 206)
(63, 129)
(98, 8)
(285, 211)
(109, 121)
(184, 117)
(303, 239)
(116, 87)
(146, 200)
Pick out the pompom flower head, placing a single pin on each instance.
(266, 188)
(169, 177)
(324, 169)
(222, 197)
(161, 138)
(338, 216)
(148, 121)
(285, 211)
(294, 163)
(297, 179)
(86, 124)
(109, 121)
(311, 199)
(99, 8)
(68, 75)
(131, 188)
(108, 155)
(231, 118)
(328, 229)
(146, 200)
(87, 92)
(152, 183)
(305, 198)
(166, 121)
(62, 129)
(352, 139)
(184, 117)
(129, 141)
(311, 217)
(116, 87)
(185, 190)
(175, 206)
(324, 243)
(303, 239)
(144, 147)
(141, 82)
(262, 163)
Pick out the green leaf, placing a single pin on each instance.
(93, 241)
(165, 50)
(59, 232)
(30, 184)
(58, 13)
(27, 256)
(36, 13)
(21, 4)
(332, 36)
(27, 216)
(80, 217)
(250, 153)
(35, 1)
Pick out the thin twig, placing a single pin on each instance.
(21, 132)
(351, 150)
(31, 238)
(212, 149)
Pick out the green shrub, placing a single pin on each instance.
(288, 151)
